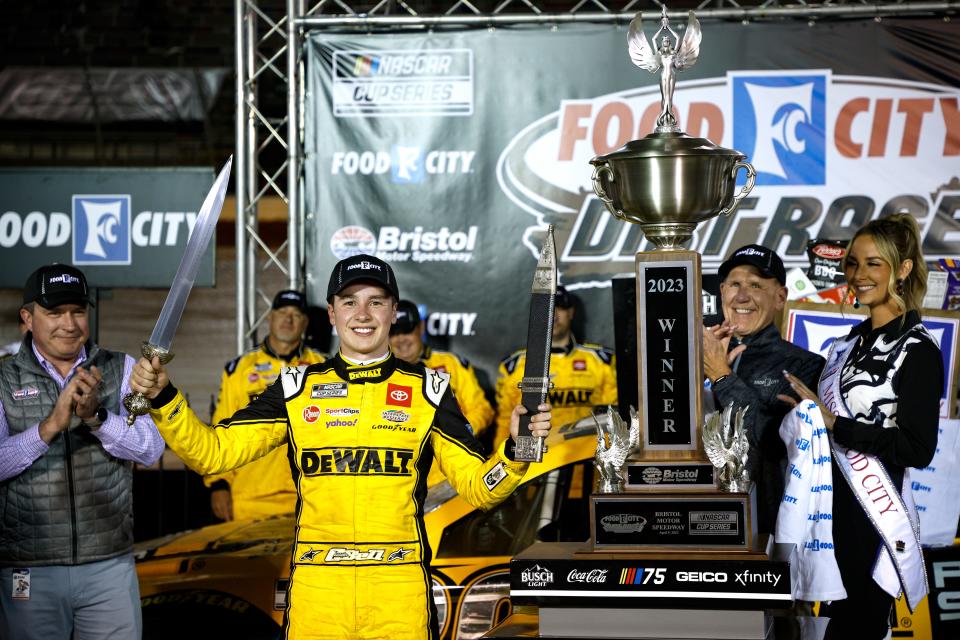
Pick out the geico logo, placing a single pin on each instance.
(701, 576)
(370, 163)
(450, 324)
(149, 229)
(570, 397)
(365, 373)
(337, 554)
(355, 461)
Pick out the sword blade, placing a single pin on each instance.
(173, 306)
(536, 369)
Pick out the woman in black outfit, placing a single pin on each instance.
(890, 385)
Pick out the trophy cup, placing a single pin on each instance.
(667, 531)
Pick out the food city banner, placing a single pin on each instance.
(448, 152)
(123, 227)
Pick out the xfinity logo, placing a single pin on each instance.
(101, 227)
(536, 576)
(406, 164)
(780, 123)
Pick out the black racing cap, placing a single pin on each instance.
(362, 267)
(767, 262)
(290, 298)
(563, 298)
(55, 284)
(408, 318)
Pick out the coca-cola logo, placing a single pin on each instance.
(311, 413)
(830, 252)
(594, 576)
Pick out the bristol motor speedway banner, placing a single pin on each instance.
(122, 227)
(447, 153)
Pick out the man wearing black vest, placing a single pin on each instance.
(66, 473)
(744, 358)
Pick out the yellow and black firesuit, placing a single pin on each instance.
(263, 487)
(583, 376)
(360, 440)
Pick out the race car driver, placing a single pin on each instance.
(361, 430)
(262, 488)
(583, 375)
(406, 342)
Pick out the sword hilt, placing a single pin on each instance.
(138, 404)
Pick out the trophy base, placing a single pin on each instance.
(678, 522)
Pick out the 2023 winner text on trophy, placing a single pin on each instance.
(671, 521)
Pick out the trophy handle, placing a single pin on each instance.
(601, 170)
(747, 188)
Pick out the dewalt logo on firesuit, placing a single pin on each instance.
(356, 461)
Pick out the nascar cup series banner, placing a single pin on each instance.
(122, 227)
(448, 153)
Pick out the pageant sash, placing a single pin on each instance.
(899, 563)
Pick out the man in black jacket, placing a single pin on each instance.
(744, 359)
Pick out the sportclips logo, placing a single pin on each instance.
(405, 164)
(398, 244)
(101, 229)
(408, 82)
(831, 152)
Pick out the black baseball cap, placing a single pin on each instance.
(765, 260)
(290, 298)
(408, 318)
(55, 284)
(362, 267)
(563, 298)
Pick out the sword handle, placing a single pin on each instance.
(138, 404)
(529, 448)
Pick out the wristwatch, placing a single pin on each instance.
(97, 419)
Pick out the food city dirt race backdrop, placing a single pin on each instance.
(448, 152)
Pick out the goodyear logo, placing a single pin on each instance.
(356, 461)
(365, 373)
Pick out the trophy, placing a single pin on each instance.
(667, 529)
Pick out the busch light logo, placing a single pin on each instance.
(407, 164)
(780, 123)
(101, 227)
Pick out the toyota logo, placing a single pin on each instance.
(399, 395)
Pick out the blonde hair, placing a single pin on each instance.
(898, 238)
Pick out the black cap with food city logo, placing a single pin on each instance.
(766, 261)
(55, 284)
(362, 267)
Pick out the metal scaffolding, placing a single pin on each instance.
(269, 45)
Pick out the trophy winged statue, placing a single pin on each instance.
(670, 57)
(615, 442)
(726, 445)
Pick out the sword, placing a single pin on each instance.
(137, 404)
(536, 370)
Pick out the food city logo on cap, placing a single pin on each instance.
(64, 278)
(399, 396)
(750, 251)
(363, 264)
